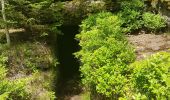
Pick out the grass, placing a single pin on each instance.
(85, 96)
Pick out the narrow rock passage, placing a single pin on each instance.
(69, 76)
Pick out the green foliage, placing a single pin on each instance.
(134, 17)
(104, 25)
(105, 54)
(41, 86)
(30, 57)
(153, 22)
(46, 15)
(11, 89)
(19, 82)
(130, 13)
(151, 77)
(132, 20)
(35, 16)
(132, 4)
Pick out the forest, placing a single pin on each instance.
(85, 50)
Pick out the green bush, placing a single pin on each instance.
(105, 55)
(105, 23)
(2, 67)
(153, 22)
(130, 14)
(11, 89)
(131, 20)
(151, 77)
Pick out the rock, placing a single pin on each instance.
(147, 44)
(140, 48)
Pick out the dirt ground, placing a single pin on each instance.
(147, 44)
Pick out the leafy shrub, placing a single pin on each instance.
(104, 24)
(41, 86)
(153, 22)
(105, 55)
(11, 89)
(130, 13)
(132, 4)
(132, 20)
(2, 67)
(151, 77)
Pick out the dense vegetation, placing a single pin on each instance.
(108, 66)
(150, 77)
(105, 54)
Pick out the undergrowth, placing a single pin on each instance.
(106, 55)
(27, 72)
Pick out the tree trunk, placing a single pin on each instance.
(5, 21)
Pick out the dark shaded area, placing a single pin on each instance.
(16, 37)
(69, 76)
(67, 45)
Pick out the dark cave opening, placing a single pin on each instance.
(68, 68)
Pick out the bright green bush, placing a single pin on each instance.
(104, 25)
(105, 54)
(14, 90)
(151, 77)
(153, 22)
